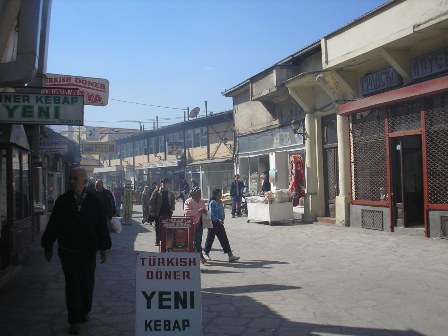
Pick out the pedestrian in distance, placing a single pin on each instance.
(236, 193)
(150, 219)
(184, 190)
(118, 195)
(78, 223)
(195, 206)
(107, 200)
(216, 211)
(266, 186)
(162, 204)
(146, 196)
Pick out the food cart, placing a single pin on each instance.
(271, 208)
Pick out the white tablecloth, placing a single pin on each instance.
(275, 212)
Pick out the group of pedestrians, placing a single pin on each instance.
(195, 207)
(80, 224)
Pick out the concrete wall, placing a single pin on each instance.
(435, 222)
(355, 215)
(252, 116)
(394, 22)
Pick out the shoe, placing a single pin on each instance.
(203, 260)
(74, 329)
(207, 256)
(233, 258)
(143, 221)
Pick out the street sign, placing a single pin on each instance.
(168, 294)
(53, 146)
(94, 90)
(99, 147)
(30, 108)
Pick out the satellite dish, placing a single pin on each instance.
(194, 112)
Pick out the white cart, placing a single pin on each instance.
(274, 212)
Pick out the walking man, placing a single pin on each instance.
(162, 204)
(236, 192)
(78, 223)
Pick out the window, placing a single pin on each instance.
(151, 146)
(196, 137)
(161, 144)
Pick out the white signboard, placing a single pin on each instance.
(168, 294)
(92, 133)
(94, 90)
(30, 108)
(53, 146)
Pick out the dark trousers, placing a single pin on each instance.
(198, 231)
(79, 272)
(219, 231)
(236, 205)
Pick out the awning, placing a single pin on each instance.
(158, 164)
(197, 163)
(407, 93)
(108, 169)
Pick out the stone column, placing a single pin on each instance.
(343, 199)
(311, 200)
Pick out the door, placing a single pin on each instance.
(330, 153)
(407, 181)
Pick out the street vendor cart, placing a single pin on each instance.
(271, 212)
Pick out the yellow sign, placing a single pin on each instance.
(99, 147)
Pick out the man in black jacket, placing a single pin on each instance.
(107, 198)
(78, 223)
(236, 192)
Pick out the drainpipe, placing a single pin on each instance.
(24, 67)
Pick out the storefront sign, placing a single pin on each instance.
(99, 147)
(380, 81)
(28, 108)
(53, 146)
(94, 90)
(176, 234)
(430, 64)
(168, 294)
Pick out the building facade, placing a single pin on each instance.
(199, 150)
(396, 65)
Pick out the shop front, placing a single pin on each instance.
(268, 151)
(399, 148)
(210, 175)
(16, 204)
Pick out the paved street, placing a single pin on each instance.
(292, 279)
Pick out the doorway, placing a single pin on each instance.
(331, 164)
(407, 181)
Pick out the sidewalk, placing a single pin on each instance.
(292, 279)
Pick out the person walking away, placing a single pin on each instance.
(216, 211)
(107, 199)
(266, 186)
(195, 206)
(162, 204)
(151, 189)
(146, 196)
(118, 195)
(184, 191)
(78, 223)
(236, 192)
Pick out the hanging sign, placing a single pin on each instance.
(94, 90)
(168, 294)
(53, 146)
(99, 147)
(29, 108)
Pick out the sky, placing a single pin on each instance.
(162, 56)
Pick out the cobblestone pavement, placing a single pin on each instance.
(292, 279)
